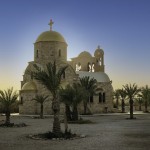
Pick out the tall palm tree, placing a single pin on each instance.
(90, 89)
(145, 95)
(123, 96)
(116, 95)
(51, 78)
(131, 91)
(40, 99)
(8, 98)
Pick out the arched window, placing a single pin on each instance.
(92, 68)
(37, 53)
(59, 53)
(89, 67)
(78, 67)
(21, 100)
(100, 61)
(91, 99)
(100, 98)
(104, 98)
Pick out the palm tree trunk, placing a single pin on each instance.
(131, 109)
(85, 105)
(146, 106)
(68, 112)
(7, 121)
(75, 113)
(123, 106)
(56, 110)
(117, 103)
(41, 114)
(65, 123)
(140, 107)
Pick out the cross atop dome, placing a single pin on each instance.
(51, 24)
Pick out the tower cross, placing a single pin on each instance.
(51, 24)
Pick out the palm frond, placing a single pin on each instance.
(50, 77)
(8, 97)
(131, 90)
(40, 98)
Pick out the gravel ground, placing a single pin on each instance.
(109, 132)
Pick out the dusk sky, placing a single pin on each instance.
(120, 27)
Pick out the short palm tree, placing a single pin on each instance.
(51, 78)
(40, 99)
(8, 99)
(116, 95)
(66, 97)
(72, 96)
(145, 95)
(123, 96)
(78, 91)
(131, 91)
(90, 88)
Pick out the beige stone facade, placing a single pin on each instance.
(50, 46)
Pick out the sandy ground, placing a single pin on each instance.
(110, 132)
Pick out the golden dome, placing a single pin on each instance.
(29, 86)
(50, 36)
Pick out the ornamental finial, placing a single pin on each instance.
(51, 24)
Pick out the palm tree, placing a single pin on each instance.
(66, 97)
(145, 94)
(123, 96)
(40, 99)
(140, 101)
(8, 99)
(72, 96)
(117, 95)
(131, 91)
(51, 78)
(78, 91)
(90, 89)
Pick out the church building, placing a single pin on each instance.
(51, 45)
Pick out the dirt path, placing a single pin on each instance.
(111, 132)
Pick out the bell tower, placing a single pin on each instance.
(99, 60)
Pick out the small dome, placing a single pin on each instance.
(50, 36)
(85, 54)
(29, 86)
(98, 52)
(99, 76)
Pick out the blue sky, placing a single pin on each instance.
(120, 27)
